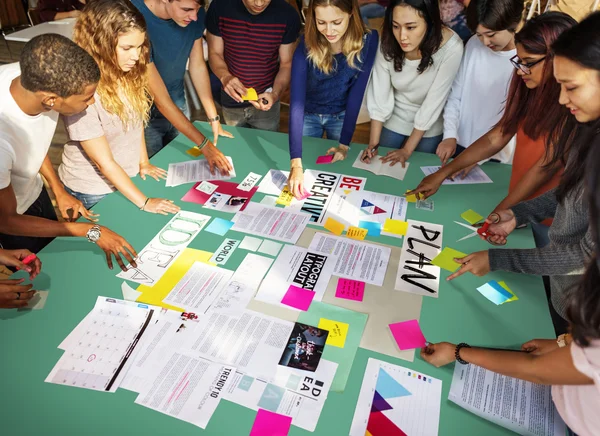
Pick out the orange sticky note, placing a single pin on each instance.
(250, 95)
(357, 233)
(334, 226)
(194, 151)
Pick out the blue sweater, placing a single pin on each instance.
(313, 91)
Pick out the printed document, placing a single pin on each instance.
(192, 171)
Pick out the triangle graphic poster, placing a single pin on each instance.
(386, 388)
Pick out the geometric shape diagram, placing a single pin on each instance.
(378, 210)
(245, 383)
(379, 403)
(388, 387)
(381, 425)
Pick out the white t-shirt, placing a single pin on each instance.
(24, 143)
(478, 96)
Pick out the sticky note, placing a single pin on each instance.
(251, 95)
(194, 151)
(408, 334)
(411, 198)
(269, 200)
(445, 259)
(270, 424)
(38, 301)
(505, 286)
(356, 233)
(396, 227)
(471, 216)
(285, 198)
(219, 226)
(325, 159)
(350, 289)
(494, 292)
(250, 243)
(270, 247)
(373, 227)
(338, 331)
(334, 226)
(305, 195)
(206, 187)
(298, 298)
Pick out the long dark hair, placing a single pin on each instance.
(537, 111)
(429, 10)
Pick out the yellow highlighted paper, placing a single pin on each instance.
(471, 216)
(445, 259)
(411, 198)
(285, 198)
(338, 331)
(334, 226)
(356, 233)
(396, 227)
(250, 95)
(505, 286)
(155, 294)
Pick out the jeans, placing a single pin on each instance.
(42, 207)
(251, 117)
(159, 131)
(371, 10)
(397, 140)
(88, 200)
(317, 124)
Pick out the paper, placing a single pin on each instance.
(270, 424)
(206, 187)
(325, 159)
(129, 293)
(408, 335)
(187, 387)
(513, 298)
(226, 197)
(495, 292)
(416, 273)
(338, 331)
(377, 166)
(251, 244)
(285, 198)
(249, 182)
(412, 198)
(283, 225)
(301, 267)
(396, 401)
(298, 298)
(269, 247)
(37, 302)
(334, 226)
(356, 233)
(219, 226)
(446, 258)
(251, 95)
(164, 249)
(224, 252)
(350, 289)
(269, 200)
(476, 175)
(200, 286)
(304, 348)
(195, 171)
(471, 216)
(520, 406)
(425, 205)
(395, 226)
(273, 182)
(356, 260)
(373, 228)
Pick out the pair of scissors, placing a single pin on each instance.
(480, 229)
(474, 228)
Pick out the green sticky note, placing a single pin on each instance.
(514, 297)
(471, 216)
(445, 259)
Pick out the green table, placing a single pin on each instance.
(75, 272)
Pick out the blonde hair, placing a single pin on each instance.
(97, 31)
(317, 46)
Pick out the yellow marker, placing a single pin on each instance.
(396, 227)
(334, 226)
(285, 198)
(471, 216)
(250, 95)
(357, 233)
(338, 331)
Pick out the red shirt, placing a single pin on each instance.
(49, 8)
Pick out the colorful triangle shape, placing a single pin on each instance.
(379, 403)
(381, 425)
(366, 203)
(388, 387)
(347, 191)
(378, 210)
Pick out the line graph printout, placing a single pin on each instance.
(397, 401)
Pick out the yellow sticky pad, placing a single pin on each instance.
(285, 198)
(356, 233)
(250, 95)
(445, 259)
(471, 216)
(194, 151)
(338, 331)
(334, 226)
(396, 227)
(411, 198)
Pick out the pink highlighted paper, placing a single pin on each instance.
(270, 424)
(350, 289)
(298, 298)
(408, 334)
(325, 159)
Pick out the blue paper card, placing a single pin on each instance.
(373, 228)
(494, 292)
(219, 226)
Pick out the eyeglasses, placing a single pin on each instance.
(525, 67)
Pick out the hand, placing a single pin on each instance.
(339, 153)
(115, 245)
(502, 223)
(161, 206)
(396, 156)
(446, 149)
(265, 101)
(428, 186)
(216, 159)
(439, 354)
(296, 181)
(13, 294)
(234, 88)
(477, 264)
(538, 347)
(147, 169)
(217, 129)
(15, 258)
(369, 153)
(75, 14)
(66, 201)
(463, 173)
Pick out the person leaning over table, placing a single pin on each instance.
(13, 293)
(107, 144)
(175, 29)
(577, 70)
(52, 10)
(330, 71)
(54, 76)
(412, 78)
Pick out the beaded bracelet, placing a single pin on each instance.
(203, 143)
(457, 353)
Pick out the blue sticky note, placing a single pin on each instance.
(219, 226)
(373, 227)
(494, 292)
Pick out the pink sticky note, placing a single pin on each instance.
(298, 298)
(408, 334)
(350, 289)
(325, 159)
(270, 424)
(305, 195)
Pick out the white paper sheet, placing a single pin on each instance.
(423, 242)
(356, 260)
(224, 252)
(477, 175)
(162, 251)
(251, 244)
(411, 400)
(129, 293)
(274, 182)
(269, 200)
(192, 171)
(249, 182)
(269, 247)
(523, 407)
(381, 169)
(283, 225)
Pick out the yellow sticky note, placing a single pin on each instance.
(411, 198)
(396, 227)
(505, 286)
(194, 151)
(338, 331)
(334, 226)
(446, 261)
(285, 198)
(356, 233)
(471, 216)
(250, 95)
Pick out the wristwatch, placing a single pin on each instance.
(212, 120)
(93, 234)
(562, 340)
